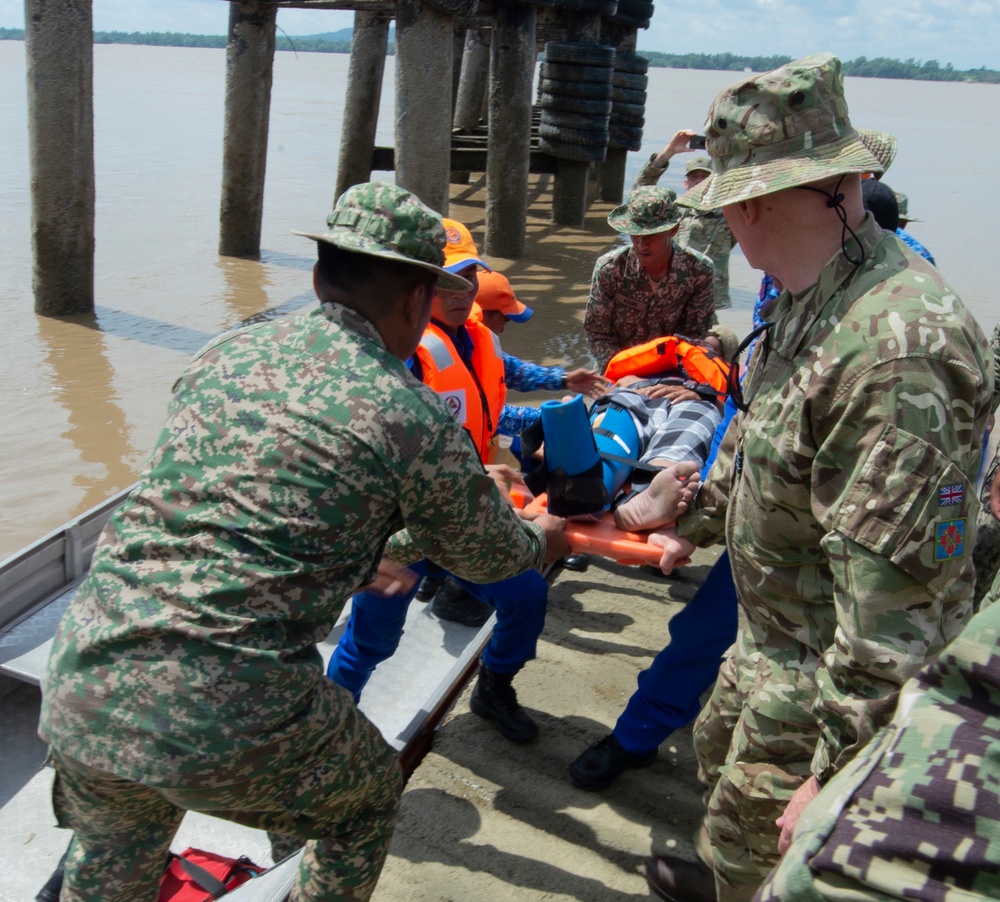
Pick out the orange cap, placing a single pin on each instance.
(495, 293)
(460, 250)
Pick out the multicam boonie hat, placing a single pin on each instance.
(382, 220)
(650, 209)
(779, 130)
(698, 164)
(903, 203)
(882, 146)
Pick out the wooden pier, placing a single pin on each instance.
(464, 76)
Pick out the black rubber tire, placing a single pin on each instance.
(572, 151)
(599, 75)
(632, 110)
(560, 104)
(624, 95)
(559, 119)
(629, 80)
(625, 136)
(631, 62)
(583, 137)
(618, 142)
(634, 12)
(580, 53)
(586, 90)
(617, 118)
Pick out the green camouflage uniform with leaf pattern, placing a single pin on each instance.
(187, 660)
(866, 415)
(986, 554)
(708, 233)
(625, 308)
(916, 815)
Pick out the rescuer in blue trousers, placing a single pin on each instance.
(376, 626)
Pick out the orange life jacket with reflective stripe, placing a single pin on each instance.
(670, 353)
(476, 396)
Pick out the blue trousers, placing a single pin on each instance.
(376, 626)
(670, 690)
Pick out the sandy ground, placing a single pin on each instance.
(485, 819)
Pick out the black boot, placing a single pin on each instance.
(454, 604)
(600, 765)
(429, 586)
(53, 886)
(495, 699)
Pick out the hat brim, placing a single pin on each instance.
(459, 265)
(756, 179)
(349, 241)
(520, 317)
(622, 223)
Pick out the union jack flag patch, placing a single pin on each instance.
(950, 540)
(951, 494)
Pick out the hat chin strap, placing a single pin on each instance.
(836, 202)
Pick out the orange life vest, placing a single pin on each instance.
(475, 397)
(670, 353)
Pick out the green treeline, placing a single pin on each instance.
(880, 67)
(340, 42)
(175, 39)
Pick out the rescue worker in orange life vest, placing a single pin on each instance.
(462, 360)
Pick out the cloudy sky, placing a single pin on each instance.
(965, 33)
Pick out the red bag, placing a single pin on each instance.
(198, 876)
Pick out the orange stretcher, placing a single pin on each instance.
(599, 536)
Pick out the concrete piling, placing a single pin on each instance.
(60, 69)
(249, 72)
(424, 43)
(508, 158)
(369, 43)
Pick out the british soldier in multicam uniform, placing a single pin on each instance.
(845, 487)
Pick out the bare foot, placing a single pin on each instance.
(667, 497)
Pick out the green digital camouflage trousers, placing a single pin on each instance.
(751, 766)
(340, 800)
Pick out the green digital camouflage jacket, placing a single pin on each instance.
(292, 451)
(708, 233)
(625, 308)
(916, 815)
(847, 494)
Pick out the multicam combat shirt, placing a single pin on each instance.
(847, 494)
(291, 452)
(625, 308)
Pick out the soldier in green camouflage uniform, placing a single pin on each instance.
(986, 554)
(845, 488)
(633, 298)
(185, 673)
(705, 232)
(916, 815)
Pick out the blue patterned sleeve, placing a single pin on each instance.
(524, 376)
(515, 418)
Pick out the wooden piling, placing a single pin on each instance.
(424, 43)
(249, 72)
(472, 87)
(59, 37)
(369, 43)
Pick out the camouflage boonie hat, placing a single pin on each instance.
(882, 146)
(382, 220)
(650, 209)
(903, 203)
(698, 164)
(779, 130)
